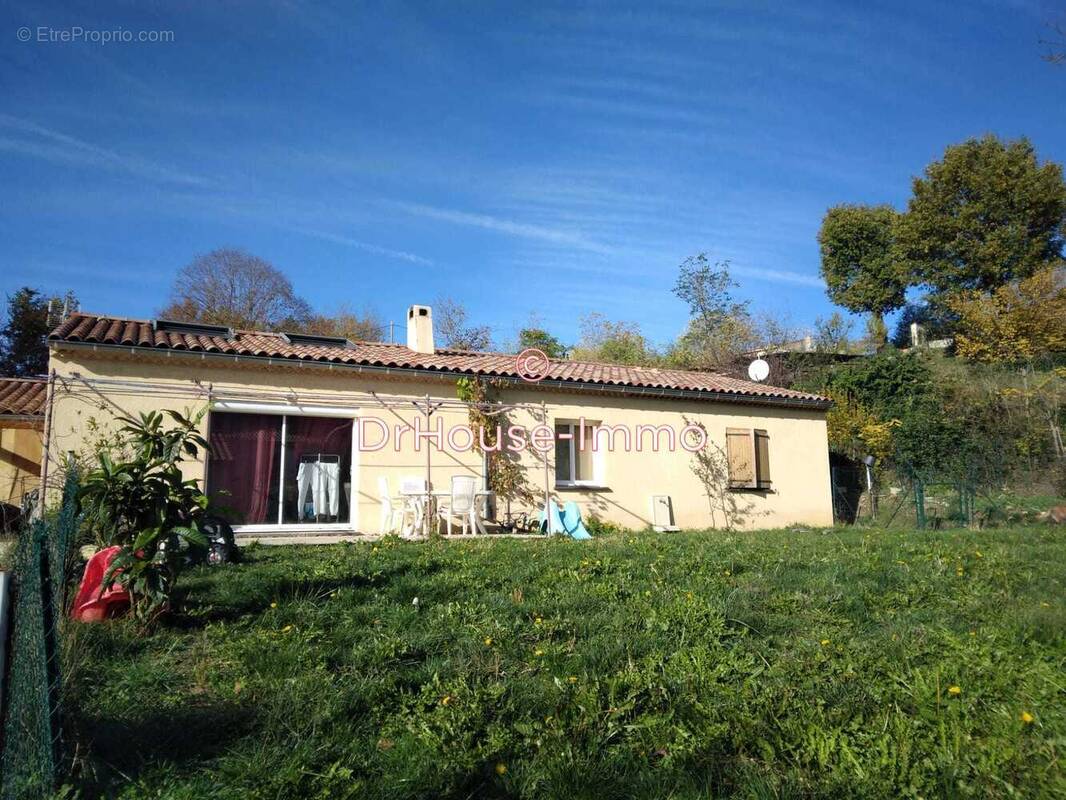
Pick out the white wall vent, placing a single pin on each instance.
(662, 513)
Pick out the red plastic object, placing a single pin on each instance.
(92, 605)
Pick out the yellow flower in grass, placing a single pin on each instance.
(446, 700)
(1027, 718)
(273, 605)
(538, 621)
(954, 691)
(488, 641)
(978, 554)
(538, 653)
(572, 679)
(824, 642)
(501, 769)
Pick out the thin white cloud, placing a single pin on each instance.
(521, 229)
(778, 276)
(348, 241)
(51, 145)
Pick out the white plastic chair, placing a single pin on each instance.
(413, 492)
(391, 509)
(461, 503)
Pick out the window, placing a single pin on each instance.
(272, 469)
(576, 463)
(748, 453)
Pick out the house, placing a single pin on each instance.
(370, 415)
(22, 402)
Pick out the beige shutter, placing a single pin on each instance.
(740, 450)
(762, 459)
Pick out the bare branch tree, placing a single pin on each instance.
(452, 322)
(364, 326)
(233, 287)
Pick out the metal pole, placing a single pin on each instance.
(429, 474)
(46, 445)
(5, 595)
(544, 457)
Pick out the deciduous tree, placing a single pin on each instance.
(986, 214)
(453, 327)
(1018, 322)
(365, 326)
(541, 340)
(612, 342)
(235, 288)
(858, 263)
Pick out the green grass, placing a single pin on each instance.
(772, 664)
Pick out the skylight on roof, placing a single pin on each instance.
(192, 328)
(315, 340)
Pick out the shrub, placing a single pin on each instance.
(142, 503)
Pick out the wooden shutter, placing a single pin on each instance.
(762, 459)
(740, 451)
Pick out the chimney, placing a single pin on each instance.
(420, 329)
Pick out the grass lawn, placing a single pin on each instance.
(772, 664)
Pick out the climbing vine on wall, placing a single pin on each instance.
(487, 420)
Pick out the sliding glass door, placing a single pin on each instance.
(271, 469)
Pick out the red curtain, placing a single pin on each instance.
(243, 469)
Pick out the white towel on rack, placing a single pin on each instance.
(327, 485)
(305, 480)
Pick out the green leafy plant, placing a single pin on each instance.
(506, 477)
(137, 498)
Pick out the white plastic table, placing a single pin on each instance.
(417, 502)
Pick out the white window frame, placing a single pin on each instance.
(231, 406)
(598, 480)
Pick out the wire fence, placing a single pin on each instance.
(32, 748)
(898, 500)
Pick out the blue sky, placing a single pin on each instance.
(560, 159)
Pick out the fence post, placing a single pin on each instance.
(919, 503)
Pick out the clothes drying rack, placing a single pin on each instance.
(316, 458)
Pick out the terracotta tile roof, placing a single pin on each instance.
(91, 329)
(22, 397)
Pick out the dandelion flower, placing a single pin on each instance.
(537, 621)
(572, 679)
(825, 642)
(446, 700)
(488, 641)
(538, 653)
(726, 573)
(273, 605)
(955, 690)
(501, 769)
(1027, 718)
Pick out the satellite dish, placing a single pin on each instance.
(758, 370)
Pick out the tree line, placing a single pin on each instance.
(976, 255)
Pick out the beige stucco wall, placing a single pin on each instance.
(798, 447)
(20, 462)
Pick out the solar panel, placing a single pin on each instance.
(315, 340)
(192, 328)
